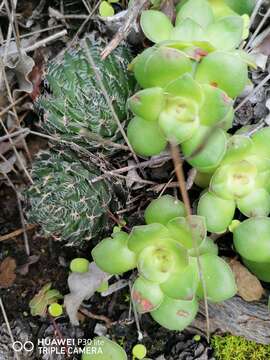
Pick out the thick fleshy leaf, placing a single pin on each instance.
(146, 137)
(175, 314)
(261, 141)
(198, 10)
(218, 277)
(164, 209)
(182, 285)
(157, 262)
(185, 86)
(179, 119)
(224, 70)
(147, 103)
(221, 9)
(238, 148)
(158, 66)
(260, 269)
(215, 107)
(241, 6)
(203, 179)
(146, 295)
(206, 148)
(102, 348)
(207, 247)
(226, 33)
(252, 239)
(145, 235)
(188, 231)
(234, 180)
(247, 58)
(218, 212)
(121, 259)
(257, 203)
(156, 26)
(188, 31)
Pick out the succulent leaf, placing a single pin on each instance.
(147, 103)
(198, 10)
(218, 212)
(102, 348)
(257, 203)
(113, 256)
(146, 295)
(164, 209)
(158, 66)
(146, 138)
(218, 277)
(206, 148)
(226, 33)
(252, 239)
(156, 25)
(175, 314)
(224, 70)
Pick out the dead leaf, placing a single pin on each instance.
(7, 272)
(82, 286)
(249, 287)
(24, 269)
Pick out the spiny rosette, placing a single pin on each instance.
(241, 181)
(203, 34)
(75, 107)
(164, 252)
(252, 241)
(179, 113)
(64, 202)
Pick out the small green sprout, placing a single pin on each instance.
(55, 309)
(139, 352)
(197, 338)
(79, 265)
(106, 9)
(41, 301)
(103, 287)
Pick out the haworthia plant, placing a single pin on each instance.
(75, 107)
(63, 200)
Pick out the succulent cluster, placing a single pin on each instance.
(240, 181)
(189, 79)
(65, 202)
(165, 253)
(76, 108)
(252, 241)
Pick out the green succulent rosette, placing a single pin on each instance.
(64, 202)
(241, 181)
(102, 348)
(178, 112)
(74, 107)
(251, 240)
(164, 252)
(208, 32)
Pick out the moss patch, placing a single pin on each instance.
(237, 348)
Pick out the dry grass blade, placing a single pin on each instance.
(108, 100)
(178, 165)
(258, 28)
(260, 85)
(16, 356)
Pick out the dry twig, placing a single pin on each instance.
(133, 12)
